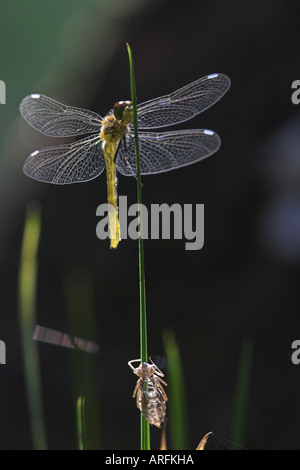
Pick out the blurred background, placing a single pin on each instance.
(243, 286)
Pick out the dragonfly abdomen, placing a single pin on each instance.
(109, 151)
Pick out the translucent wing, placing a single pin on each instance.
(58, 120)
(47, 335)
(166, 151)
(74, 163)
(184, 103)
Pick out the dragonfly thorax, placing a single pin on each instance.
(112, 129)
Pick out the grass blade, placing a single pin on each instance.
(202, 443)
(145, 428)
(80, 422)
(81, 314)
(27, 319)
(176, 392)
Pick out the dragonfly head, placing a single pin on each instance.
(123, 111)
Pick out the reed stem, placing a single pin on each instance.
(145, 428)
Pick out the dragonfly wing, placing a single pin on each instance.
(166, 151)
(125, 158)
(184, 103)
(58, 120)
(74, 163)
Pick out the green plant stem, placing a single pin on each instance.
(81, 316)
(145, 428)
(176, 392)
(27, 316)
(80, 422)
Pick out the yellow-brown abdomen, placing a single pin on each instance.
(109, 151)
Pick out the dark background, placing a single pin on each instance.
(244, 283)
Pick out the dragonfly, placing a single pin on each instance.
(111, 145)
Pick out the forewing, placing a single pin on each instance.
(184, 103)
(74, 163)
(58, 120)
(166, 151)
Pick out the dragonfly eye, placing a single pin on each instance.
(121, 108)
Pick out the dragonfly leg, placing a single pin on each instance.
(163, 391)
(157, 370)
(127, 162)
(135, 389)
(133, 360)
(162, 381)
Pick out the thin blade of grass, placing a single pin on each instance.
(27, 319)
(145, 428)
(177, 401)
(241, 397)
(202, 443)
(81, 315)
(163, 439)
(80, 422)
